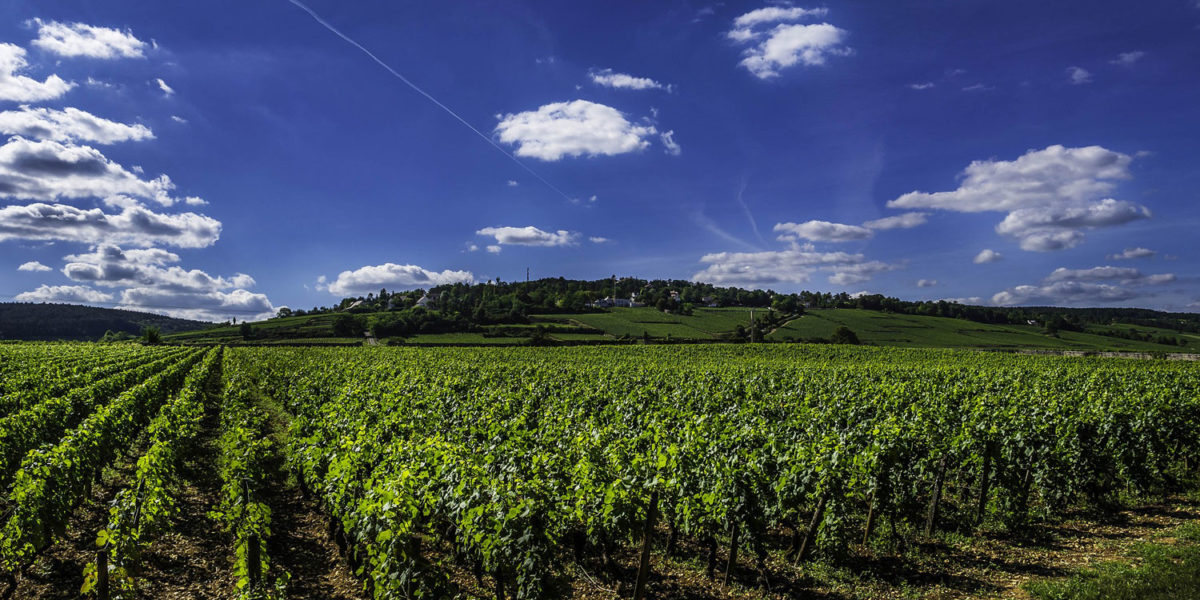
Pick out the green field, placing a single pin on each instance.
(710, 324)
(888, 329)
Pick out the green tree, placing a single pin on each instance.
(844, 335)
(151, 336)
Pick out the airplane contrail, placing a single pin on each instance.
(316, 17)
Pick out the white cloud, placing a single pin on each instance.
(858, 273)
(743, 26)
(1078, 76)
(921, 86)
(512, 183)
(1126, 275)
(1132, 253)
(987, 255)
(607, 78)
(134, 225)
(598, 240)
(528, 236)
(785, 44)
(19, 88)
(1128, 59)
(926, 283)
(50, 170)
(670, 146)
(576, 128)
(64, 294)
(392, 276)
(195, 201)
(109, 265)
(494, 249)
(978, 87)
(1084, 286)
(179, 119)
(204, 306)
(1058, 228)
(472, 247)
(795, 265)
(69, 125)
(967, 300)
(589, 200)
(166, 89)
(78, 39)
(789, 45)
(33, 266)
(1051, 195)
(822, 231)
(904, 221)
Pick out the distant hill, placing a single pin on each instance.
(25, 321)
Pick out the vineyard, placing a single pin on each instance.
(621, 472)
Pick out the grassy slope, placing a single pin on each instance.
(884, 329)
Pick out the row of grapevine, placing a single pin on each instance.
(44, 422)
(243, 465)
(501, 460)
(45, 381)
(143, 508)
(52, 480)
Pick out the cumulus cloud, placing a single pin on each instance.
(69, 125)
(744, 25)
(109, 265)
(926, 283)
(987, 255)
(134, 225)
(608, 78)
(79, 39)
(670, 146)
(1128, 59)
(19, 88)
(1132, 253)
(576, 128)
(795, 265)
(858, 273)
(822, 231)
(203, 306)
(1126, 275)
(1078, 76)
(392, 276)
(598, 240)
(512, 183)
(33, 266)
(1051, 195)
(154, 283)
(904, 221)
(494, 249)
(528, 236)
(1084, 286)
(73, 294)
(921, 86)
(50, 170)
(166, 89)
(775, 42)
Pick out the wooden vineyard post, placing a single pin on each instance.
(253, 561)
(931, 522)
(870, 519)
(102, 574)
(984, 484)
(639, 588)
(810, 537)
(733, 550)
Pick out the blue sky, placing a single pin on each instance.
(225, 159)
